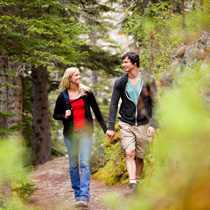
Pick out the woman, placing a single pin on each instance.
(73, 108)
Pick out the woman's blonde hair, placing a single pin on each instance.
(66, 84)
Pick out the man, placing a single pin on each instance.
(138, 92)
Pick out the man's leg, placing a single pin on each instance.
(139, 167)
(142, 147)
(128, 142)
(130, 164)
(131, 168)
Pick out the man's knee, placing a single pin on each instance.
(130, 154)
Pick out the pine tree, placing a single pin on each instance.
(36, 34)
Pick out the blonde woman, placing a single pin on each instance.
(73, 108)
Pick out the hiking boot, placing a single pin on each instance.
(83, 203)
(133, 189)
(77, 203)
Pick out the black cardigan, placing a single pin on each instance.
(63, 104)
(129, 112)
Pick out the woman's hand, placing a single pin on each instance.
(110, 134)
(67, 114)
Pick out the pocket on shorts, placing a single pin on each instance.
(149, 139)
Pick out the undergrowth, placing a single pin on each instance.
(115, 172)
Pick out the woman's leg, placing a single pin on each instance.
(85, 147)
(73, 150)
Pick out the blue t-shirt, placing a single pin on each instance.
(132, 91)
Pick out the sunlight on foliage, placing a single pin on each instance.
(9, 152)
(17, 204)
(13, 176)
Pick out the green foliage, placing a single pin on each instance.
(99, 135)
(37, 32)
(17, 204)
(159, 29)
(114, 171)
(24, 189)
(12, 129)
(8, 159)
(11, 167)
(152, 36)
(7, 114)
(9, 85)
(98, 59)
(13, 173)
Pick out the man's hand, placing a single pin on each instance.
(110, 134)
(68, 113)
(150, 131)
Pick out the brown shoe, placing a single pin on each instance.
(83, 203)
(77, 203)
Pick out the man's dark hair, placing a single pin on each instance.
(134, 58)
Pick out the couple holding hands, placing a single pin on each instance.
(138, 93)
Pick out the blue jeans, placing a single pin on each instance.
(79, 150)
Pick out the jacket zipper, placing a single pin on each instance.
(133, 101)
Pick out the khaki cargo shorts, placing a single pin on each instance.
(135, 138)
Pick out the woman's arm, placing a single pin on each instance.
(59, 113)
(114, 105)
(97, 111)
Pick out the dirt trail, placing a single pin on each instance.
(55, 188)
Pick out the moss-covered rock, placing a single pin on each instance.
(114, 171)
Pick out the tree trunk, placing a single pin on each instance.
(41, 115)
(15, 100)
(3, 94)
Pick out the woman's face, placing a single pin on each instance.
(76, 78)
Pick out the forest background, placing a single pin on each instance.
(40, 39)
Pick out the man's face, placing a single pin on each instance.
(127, 65)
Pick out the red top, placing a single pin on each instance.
(78, 108)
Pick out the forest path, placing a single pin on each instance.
(55, 191)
